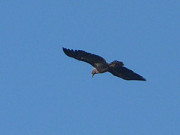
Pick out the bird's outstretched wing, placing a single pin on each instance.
(117, 69)
(92, 59)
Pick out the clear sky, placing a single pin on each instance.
(44, 92)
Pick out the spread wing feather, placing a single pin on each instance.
(84, 56)
(117, 69)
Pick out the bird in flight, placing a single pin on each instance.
(101, 66)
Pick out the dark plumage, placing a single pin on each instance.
(100, 65)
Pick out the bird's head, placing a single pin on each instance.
(94, 72)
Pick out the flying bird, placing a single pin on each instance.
(101, 66)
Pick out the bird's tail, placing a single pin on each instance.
(116, 63)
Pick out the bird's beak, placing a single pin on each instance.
(92, 75)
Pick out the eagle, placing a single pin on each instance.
(100, 65)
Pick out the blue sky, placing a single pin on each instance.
(45, 92)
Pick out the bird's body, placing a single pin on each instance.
(101, 66)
